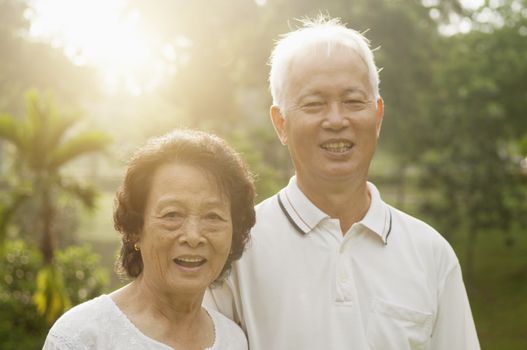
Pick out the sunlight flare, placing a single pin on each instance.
(108, 35)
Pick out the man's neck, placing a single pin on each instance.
(349, 202)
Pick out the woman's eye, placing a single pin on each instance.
(172, 215)
(214, 217)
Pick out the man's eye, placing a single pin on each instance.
(313, 104)
(355, 104)
(313, 107)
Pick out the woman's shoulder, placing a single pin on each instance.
(82, 314)
(82, 324)
(228, 334)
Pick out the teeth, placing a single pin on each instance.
(191, 260)
(338, 147)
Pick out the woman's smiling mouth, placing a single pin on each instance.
(190, 261)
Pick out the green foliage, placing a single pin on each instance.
(83, 277)
(50, 297)
(9, 203)
(43, 144)
(478, 118)
(261, 152)
(21, 325)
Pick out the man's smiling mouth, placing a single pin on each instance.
(337, 147)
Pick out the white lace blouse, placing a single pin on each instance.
(100, 324)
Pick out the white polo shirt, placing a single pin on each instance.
(391, 282)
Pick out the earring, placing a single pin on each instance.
(136, 247)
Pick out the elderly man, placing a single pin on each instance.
(332, 266)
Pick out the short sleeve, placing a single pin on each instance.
(454, 327)
(225, 299)
(229, 336)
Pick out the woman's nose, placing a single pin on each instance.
(191, 233)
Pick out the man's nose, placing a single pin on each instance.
(335, 118)
(191, 233)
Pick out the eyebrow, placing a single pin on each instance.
(313, 93)
(355, 90)
(174, 200)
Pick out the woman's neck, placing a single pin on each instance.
(168, 317)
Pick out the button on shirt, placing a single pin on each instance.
(390, 282)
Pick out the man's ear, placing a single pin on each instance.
(379, 115)
(279, 124)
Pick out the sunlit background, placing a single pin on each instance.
(110, 36)
(453, 148)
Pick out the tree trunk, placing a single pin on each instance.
(400, 198)
(470, 255)
(47, 245)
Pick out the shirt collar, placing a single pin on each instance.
(300, 211)
(305, 216)
(378, 218)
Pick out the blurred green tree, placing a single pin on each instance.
(469, 168)
(21, 325)
(43, 143)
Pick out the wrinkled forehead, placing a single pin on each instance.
(172, 170)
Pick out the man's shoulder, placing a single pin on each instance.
(416, 225)
(268, 212)
(267, 205)
(272, 222)
(422, 235)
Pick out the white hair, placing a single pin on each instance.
(315, 32)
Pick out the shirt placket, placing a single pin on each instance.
(345, 287)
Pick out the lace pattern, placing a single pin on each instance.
(100, 324)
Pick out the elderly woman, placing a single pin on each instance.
(184, 211)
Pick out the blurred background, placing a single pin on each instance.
(83, 83)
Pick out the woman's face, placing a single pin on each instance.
(187, 230)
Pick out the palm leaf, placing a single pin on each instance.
(44, 128)
(7, 211)
(85, 193)
(10, 130)
(58, 128)
(49, 125)
(84, 143)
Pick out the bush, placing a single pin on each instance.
(21, 326)
(83, 277)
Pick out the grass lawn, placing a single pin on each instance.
(498, 293)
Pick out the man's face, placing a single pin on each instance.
(330, 120)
